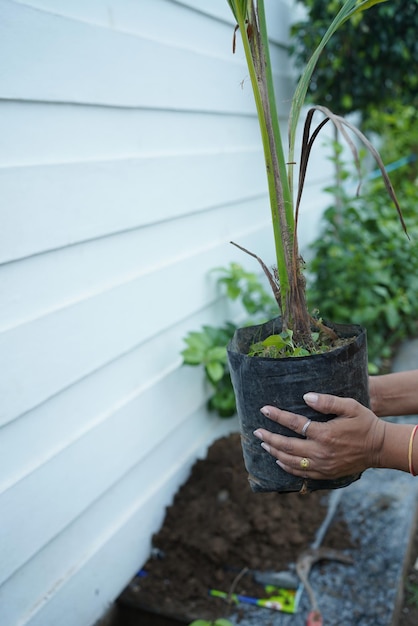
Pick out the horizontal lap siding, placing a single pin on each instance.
(156, 188)
(54, 350)
(130, 157)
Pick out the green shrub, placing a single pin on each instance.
(365, 270)
(207, 347)
(370, 74)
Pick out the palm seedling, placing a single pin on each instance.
(287, 280)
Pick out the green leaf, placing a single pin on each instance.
(217, 354)
(392, 315)
(301, 352)
(238, 8)
(366, 4)
(372, 369)
(199, 343)
(381, 291)
(276, 341)
(256, 348)
(214, 336)
(214, 370)
(233, 291)
(198, 340)
(192, 357)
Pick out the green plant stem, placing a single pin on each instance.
(291, 300)
(254, 37)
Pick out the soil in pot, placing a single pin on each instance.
(217, 526)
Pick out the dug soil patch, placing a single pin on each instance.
(217, 531)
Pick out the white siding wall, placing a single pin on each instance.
(129, 158)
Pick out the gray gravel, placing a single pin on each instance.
(379, 510)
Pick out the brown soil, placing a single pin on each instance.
(215, 528)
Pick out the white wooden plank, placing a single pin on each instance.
(78, 62)
(278, 18)
(64, 60)
(37, 133)
(90, 466)
(153, 20)
(34, 438)
(83, 201)
(55, 351)
(277, 14)
(45, 283)
(125, 512)
(216, 9)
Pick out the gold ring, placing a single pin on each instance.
(304, 464)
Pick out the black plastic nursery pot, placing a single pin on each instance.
(261, 381)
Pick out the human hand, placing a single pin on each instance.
(347, 444)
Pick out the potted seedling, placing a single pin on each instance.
(277, 362)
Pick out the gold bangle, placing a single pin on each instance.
(411, 442)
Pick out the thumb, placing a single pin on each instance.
(327, 404)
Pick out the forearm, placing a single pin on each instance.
(397, 449)
(395, 394)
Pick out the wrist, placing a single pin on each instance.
(411, 464)
(394, 451)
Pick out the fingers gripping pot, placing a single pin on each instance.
(282, 383)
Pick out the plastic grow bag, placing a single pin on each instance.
(282, 382)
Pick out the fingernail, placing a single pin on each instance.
(265, 411)
(280, 464)
(311, 398)
(265, 446)
(258, 433)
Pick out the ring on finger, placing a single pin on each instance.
(304, 463)
(305, 427)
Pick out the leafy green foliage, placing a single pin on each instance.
(207, 347)
(238, 283)
(367, 63)
(276, 346)
(283, 345)
(365, 270)
(398, 129)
